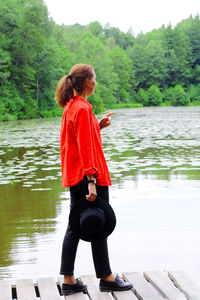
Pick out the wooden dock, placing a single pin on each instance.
(150, 285)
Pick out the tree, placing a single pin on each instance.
(194, 92)
(139, 64)
(122, 39)
(168, 95)
(35, 53)
(142, 97)
(178, 56)
(5, 62)
(154, 96)
(52, 63)
(96, 29)
(191, 27)
(180, 97)
(122, 67)
(110, 43)
(92, 51)
(29, 32)
(157, 64)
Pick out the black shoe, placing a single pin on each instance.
(68, 289)
(117, 285)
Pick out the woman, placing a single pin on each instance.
(84, 170)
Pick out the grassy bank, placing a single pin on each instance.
(57, 112)
(133, 105)
(125, 105)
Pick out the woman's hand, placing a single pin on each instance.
(105, 121)
(92, 192)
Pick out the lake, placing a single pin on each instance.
(153, 155)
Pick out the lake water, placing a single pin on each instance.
(153, 156)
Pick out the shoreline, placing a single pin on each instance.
(56, 113)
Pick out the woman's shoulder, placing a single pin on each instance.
(77, 106)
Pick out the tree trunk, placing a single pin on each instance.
(118, 97)
(37, 89)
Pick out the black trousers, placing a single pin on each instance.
(71, 240)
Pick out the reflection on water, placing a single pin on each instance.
(142, 145)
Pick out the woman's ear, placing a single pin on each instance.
(86, 83)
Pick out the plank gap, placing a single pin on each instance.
(36, 290)
(14, 292)
(59, 288)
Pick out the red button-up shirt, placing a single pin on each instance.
(80, 145)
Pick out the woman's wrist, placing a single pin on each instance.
(91, 179)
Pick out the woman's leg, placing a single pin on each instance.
(70, 242)
(101, 258)
(69, 249)
(100, 247)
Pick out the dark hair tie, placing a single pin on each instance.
(69, 77)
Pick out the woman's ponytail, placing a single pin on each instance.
(64, 91)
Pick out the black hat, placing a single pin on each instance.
(92, 220)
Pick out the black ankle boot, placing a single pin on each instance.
(117, 285)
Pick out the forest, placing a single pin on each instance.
(161, 67)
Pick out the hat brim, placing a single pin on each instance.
(110, 219)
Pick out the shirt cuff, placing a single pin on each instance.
(91, 171)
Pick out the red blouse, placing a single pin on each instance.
(80, 145)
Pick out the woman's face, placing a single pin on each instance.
(92, 84)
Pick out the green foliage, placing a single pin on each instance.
(196, 74)
(121, 39)
(138, 55)
(96, 29)
(180, 97)
(154, 96)
(51, 64)
(191, 27)
(52, 113)
(168, 96)
(142, 97)
(11, 104)
(96, 101)
(35, 53)
(125, 105)
(31, 109)
(178, 56)
(194, 92)
(4, 65)
(110, 43)
(92, 51)
(166, 103)
(176, 96)
(157, 65)
(122, 67)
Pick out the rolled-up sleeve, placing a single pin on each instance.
(83, 133)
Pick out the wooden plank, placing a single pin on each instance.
(25, 289)
(48, 289)
(5, 290)
(76, 296)
(142, 288)
(93, 288)
(162, 282)
(125, 295)
(94, 293)
(187, 282)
